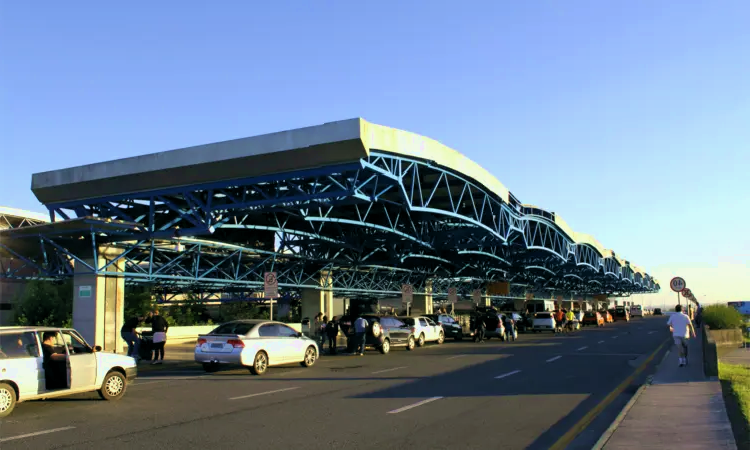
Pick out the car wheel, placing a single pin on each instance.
(411, 343)
(210, 367)
(7, 399)
(386, 347)
(311, 355)
(113, 386)
(420, 342)
(260, 363)
(441, 338)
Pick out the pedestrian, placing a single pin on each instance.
(510, 328)
(323, 334)
(130, 336)
(159, 326)
(317, 326)
(479, 329)
(332, 331)
(360, 335)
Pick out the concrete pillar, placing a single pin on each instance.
(99, 301)
(422, 302)
(320, 299)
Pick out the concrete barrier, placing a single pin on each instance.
(727, 338)
(710, 353)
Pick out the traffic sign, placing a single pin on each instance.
(452, 295)
(270, 285)
(476, 296)
(677, 284)
(407, 293)
(686, 292)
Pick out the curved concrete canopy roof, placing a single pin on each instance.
(340, 142)
(21, 214)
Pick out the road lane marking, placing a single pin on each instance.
(586, 420)
(651, 332)
(600, 342)
(507, 374)
(554, 359)
(457, 356)
(389, 370)
(264, 393)
(413, 405)
(38, 433)
(615, 337)
(583, 348)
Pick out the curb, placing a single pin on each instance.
(620, 417)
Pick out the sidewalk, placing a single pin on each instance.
(680, 409)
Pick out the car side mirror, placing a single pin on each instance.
(98, 348)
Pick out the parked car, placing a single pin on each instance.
(424, 329)
(544, 321)
(657, 312)
(493, 323)
(636, 311)
(621, 314)
(451, 328)
(592, 318)
(383, 332)
(255, 344)
(23, 369)
(607, 316)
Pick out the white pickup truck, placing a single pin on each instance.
(46, 362)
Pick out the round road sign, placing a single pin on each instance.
(677, 284)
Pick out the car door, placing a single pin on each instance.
(20, 362)
(292, 345)
(432, 327)
(81, 360)
(270, 342)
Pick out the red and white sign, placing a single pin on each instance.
(407, 293)
(452, 295)
(270, 285)
(677, 284)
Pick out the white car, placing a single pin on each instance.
(26, 374)
(543, 321)
(636, 311)
(424, 329)
(255, 344)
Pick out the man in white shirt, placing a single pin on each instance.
(682, 328)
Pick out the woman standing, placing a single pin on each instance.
(159, 326)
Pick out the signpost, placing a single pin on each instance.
(452, 295)
(678, 284)
(271, 288)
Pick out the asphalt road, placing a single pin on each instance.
(526, 394)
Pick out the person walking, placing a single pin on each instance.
(360, 335)
(317, 328)
(130, 336)
(332, 331)
(159, 326)
(510, 328)
(681, 328)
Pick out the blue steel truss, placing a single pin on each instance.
(376, 224)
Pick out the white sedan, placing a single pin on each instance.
(255, 344)
(424, 329)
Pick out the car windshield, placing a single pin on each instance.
(408, 320)
(234, 328)
(544, 316)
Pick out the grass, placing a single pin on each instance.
(736, 378)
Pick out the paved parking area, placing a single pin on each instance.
(525, 394)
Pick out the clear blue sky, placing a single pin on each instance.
(631, 119)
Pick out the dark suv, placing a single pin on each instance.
(383, 332)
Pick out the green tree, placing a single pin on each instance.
(138, 303)
(188, 312)
(45, 303)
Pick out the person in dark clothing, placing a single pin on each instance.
(55, 364)
(332, 330)
(129, 335)
(159, 326)
(479, 328)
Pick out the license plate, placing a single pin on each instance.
(217, 345)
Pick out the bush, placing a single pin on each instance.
(722, 317)
(45, 303)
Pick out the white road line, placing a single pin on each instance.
(38, 433)
(389, 370)
(457, 356)
(554, 359)
(583, 348)
(507, 374)
(264, 393)
(414, 405)
(615, 337)
(600, 342)
(651, 332)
